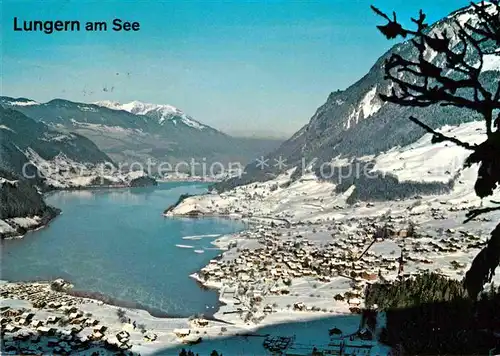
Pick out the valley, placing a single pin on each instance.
(130, 227)
(120, 149)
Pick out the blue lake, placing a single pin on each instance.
(116, 242)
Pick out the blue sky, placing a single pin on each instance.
(254, 66)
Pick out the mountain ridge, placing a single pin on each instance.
(161, 112)
(127, 137)
(355, 122)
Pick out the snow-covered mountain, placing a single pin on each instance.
(52, 159)
(144, 133)
(403, 180)
(355, 122)
(162, 113)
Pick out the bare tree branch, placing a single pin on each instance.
(439, 137)
(447, 71)
(455, 82)
(474, 213)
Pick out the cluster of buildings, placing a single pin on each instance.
(367, 250)
(271, 267)
(55, 324)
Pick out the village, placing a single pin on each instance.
(337, 260)
(309, 256)
(55, 321)
(38, 318)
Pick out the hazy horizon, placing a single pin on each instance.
(241, 67)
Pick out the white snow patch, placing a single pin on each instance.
(104, 128)
(87, 108)
(57, 137)
(3, 127)
(23, 103)
(26, 222)
(367, 107)
(5, 228)
(192, 123)
(134, 175)
(424, 161)
(63, 172)
(164, 112)
(491, 62)
(7, 181)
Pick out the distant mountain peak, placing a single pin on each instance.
(161, 112)
(17, 101)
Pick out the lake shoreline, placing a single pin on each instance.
(53, 314)
(41, 302)
(31, 223)
(108, 300)
(164, 306)
(52, 213)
